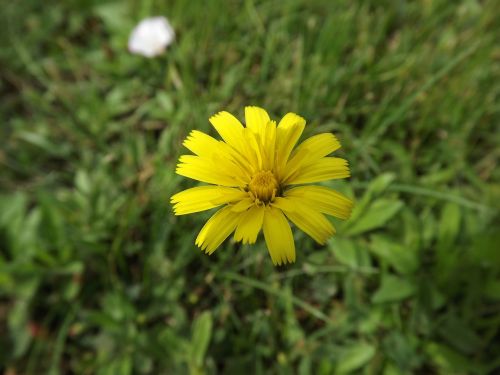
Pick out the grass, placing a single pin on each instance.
(98, 276)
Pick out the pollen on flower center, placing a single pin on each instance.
(263, 186)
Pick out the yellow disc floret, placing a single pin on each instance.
(263, 186)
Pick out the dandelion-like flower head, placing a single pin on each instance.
(261, 181)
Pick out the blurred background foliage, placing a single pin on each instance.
(98, 276)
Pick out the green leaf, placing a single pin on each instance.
(450, 361)
(401, 349)
(12, 208)
(393, 289)
(355, 357)
(449, 225)
(381, 183)
(202, 331)
(492, 290)
(43, 143)
(402, 258)
(348, 253)
(83, 182)
(53, 224)
(376, 216)
(376, 187)
(121, 365)
(18, 328)
(459, 335)
(115, 16)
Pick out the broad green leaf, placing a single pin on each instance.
(450, 361)
(484, 251)
(355, 357)
(449, 225)
(376, 187)
(412, 237)
(429, 226)
(348, 253)
(459, 334)
(202, 331)
(401, 349)
(43, 143)
(12, 208)
(115, 16)
(83, 182)
(492, 290)
(390, 369)
(393, 289)
(18, 328)
(402, 258)
(122, 365)
(16, 232)
(53, 223)
(376, 216)
(381, 183)
(371, 323)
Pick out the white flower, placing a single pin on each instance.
(151, 36)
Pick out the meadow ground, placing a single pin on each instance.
(98, 276)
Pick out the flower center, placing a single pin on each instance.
(263, 186)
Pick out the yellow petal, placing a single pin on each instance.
(203, 198)
(311, 150)
(323, 199)
(262, 138)
(218, 153)
(252, 150)
(217, 229)
(278, 235)
(200, 143)
(319, 170)
(243, 205)
(312, 222)
(211, 172)
(256, 119)
(288, 133)
(249, 225)
(269, 146)
(229, 128)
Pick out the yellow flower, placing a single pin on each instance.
(253, 172)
